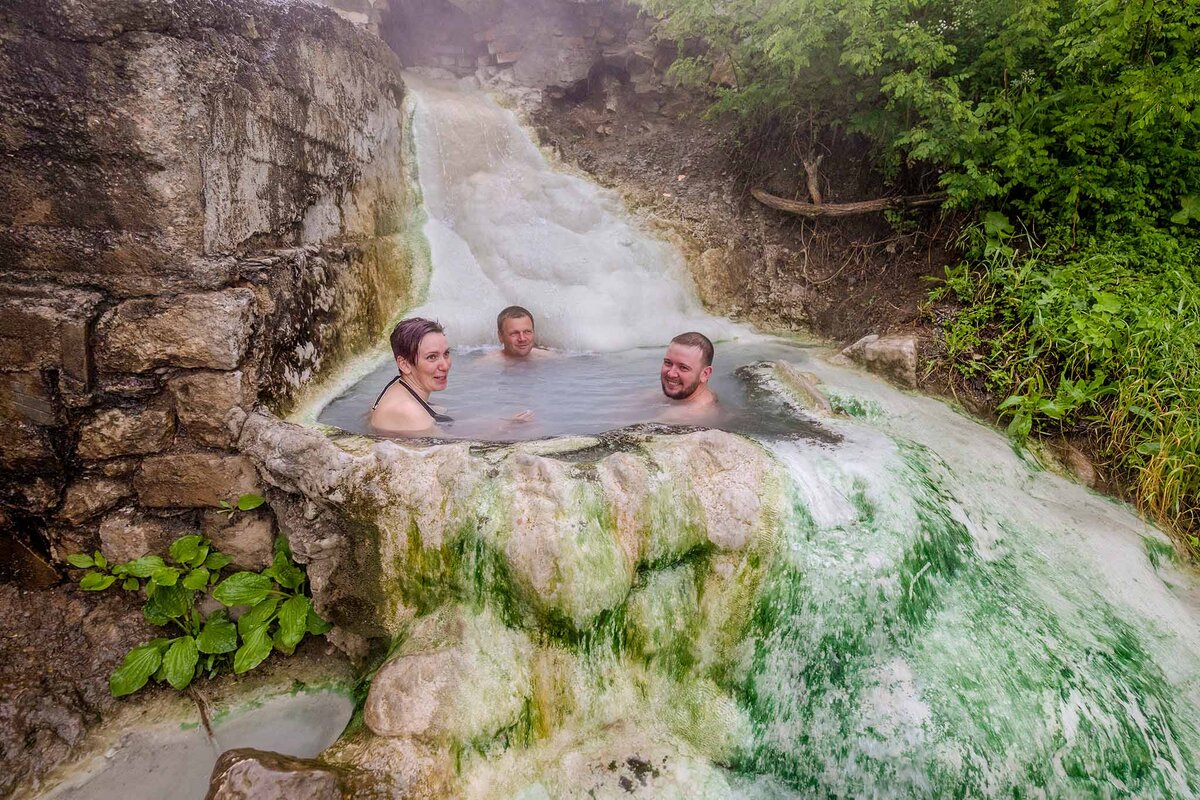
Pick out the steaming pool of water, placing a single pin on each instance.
(584, 393)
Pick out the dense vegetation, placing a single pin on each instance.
(1069, 127)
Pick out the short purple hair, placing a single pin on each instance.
(407, 336)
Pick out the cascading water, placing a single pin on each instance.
(892, 603)
(504, 228)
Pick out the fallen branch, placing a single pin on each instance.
(845, 209)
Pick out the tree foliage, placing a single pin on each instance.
(1075, 112)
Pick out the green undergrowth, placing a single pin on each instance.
(1101, 339)
(187, 594)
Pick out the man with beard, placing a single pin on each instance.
(686, 368)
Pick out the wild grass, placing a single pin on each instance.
(1102, 338)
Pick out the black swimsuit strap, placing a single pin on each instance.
(428, 408)
(385, 388)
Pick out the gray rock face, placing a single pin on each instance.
(458, 677)
(202, 399)
(193, 330)
(567, 541)
(249, 774)
(118, 432)
(893, 356)
(27, 409)
(194, 480)
(39, 332)
(91, 496)
(215, 217)
(128, 534)
(246, 537)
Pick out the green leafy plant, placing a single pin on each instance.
(276, 612)
(247, 502)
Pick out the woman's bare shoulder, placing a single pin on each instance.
(399, 414)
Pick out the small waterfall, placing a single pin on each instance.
(504, 228)
(888, 601)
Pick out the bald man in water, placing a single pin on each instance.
(684, 375)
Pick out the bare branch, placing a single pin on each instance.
(845, 209)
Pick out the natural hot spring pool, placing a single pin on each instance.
(583, 393)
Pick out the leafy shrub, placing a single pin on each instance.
(277, 613)
(1106, 336)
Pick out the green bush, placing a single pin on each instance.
(277, 614)
(1104, 335)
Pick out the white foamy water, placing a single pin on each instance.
(504, 228)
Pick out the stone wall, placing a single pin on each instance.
(203, 206)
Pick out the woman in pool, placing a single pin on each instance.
(423, 358)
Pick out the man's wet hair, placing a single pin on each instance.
(698, 340)
(407, 336)
(512, 312)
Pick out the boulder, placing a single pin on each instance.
(91, 496)
(203, 399)
(46, 330)
(200, 330)
(249, 774)
(384, 766)
(893, 356)
(804, 387)
(128, 534)
(123, 432)
(26, 398)
(25, 448)
(728, 477)
(459, 677)
(194, 480)
(560, 542)
(247, 537)
(662, 616)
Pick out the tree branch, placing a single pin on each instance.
(845, 209)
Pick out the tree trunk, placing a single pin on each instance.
(814, 183)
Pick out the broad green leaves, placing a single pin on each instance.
(256, 646)
(277, 614)
(219, 635)
(179, 662)
(293, 621)
(96, 582)
(140, 663)
(243, 589)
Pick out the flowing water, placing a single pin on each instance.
(931, 613)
